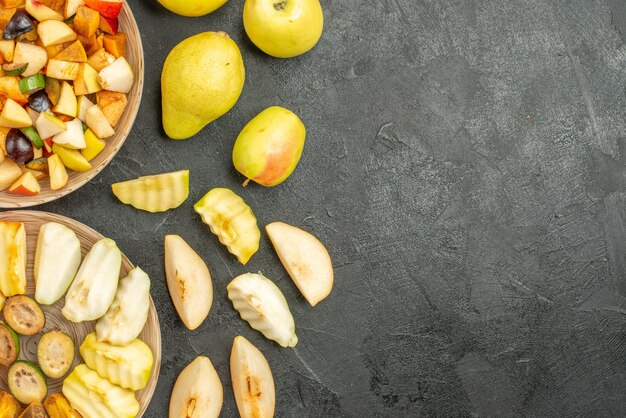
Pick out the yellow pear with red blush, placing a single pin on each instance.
(269, 147)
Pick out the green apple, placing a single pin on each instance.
(192, 8)
(269, 147)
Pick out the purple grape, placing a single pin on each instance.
(39, 101)
(19, 147)
(18, 25)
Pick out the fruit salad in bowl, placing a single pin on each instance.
(70, 85)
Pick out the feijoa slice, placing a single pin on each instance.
(14, 68)
(18, 25)
(9, 345)
(27, 382)
(55, 353)
(24, 315)
(32, 83)
(33, 135)
(19, 148)
(39, 102)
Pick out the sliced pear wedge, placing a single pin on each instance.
(305, 258)
(261, 303)
(197, 392)
(188, 280)
(252, 380)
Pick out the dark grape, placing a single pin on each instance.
(19, 147)
(39, 101)
(18, 25)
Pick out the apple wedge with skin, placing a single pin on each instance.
(253, 384)
(188, 281)
(198, 392)
(305, 258)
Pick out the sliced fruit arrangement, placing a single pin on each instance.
(197, 392)
(63, 70)
(305, 258)
(188, 281)
(253, 384)
(261, 303)
(156, 193)
(94, 396)
(232, 220)
(124, 320)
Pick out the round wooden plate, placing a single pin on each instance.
(151, 333)
(134, 55)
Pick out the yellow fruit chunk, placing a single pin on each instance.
(94, 396)
(128, 366)
(9, 406)
(71, 158)
(156, 193)
(12, 258)
(94, 145)
(232, 220)
(57, 406)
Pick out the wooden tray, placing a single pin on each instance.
(151, 333)
(134, 55)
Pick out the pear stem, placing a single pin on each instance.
(245, 183)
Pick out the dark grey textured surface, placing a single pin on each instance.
(465, 165)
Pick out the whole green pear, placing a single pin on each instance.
(202, 79)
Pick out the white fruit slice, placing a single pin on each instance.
(188, 280)
(117, 77)
(57, 259)
(260, 302)
(128, 313)
(305, 258)
(252, 380)
(197, 392)
(93, 289)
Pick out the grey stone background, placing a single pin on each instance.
(465, 165)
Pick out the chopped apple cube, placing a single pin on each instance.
(34, 55)
(58, 174)
(67, 104)
(14, 116)
(49, 125)
(41, 12)
(87, 80)
(62, 70)
(94, 145)
(26, 185)
(112, 105)
(72, 138)
(97, 122)
(6, 49)
(9, 172)
(54, 32)
(83, 105)
(117, 77)
(86, 21)
(74, 52)
(100, 59)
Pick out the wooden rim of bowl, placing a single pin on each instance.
(151, 333)
(134, 55)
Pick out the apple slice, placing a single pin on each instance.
(58, 174)
(26, 185)
(14, 116)
(94, 146)
(188, 281)
(72, 138)
(9, 172)
(71, 6)
(87, 80)
(97, 122)
(67, 104)
(106, 8)
(52, 32)
(261, 303)
(197, 392)
(74, 52)
(41, 12)
(83, 105)
(62, 70)
(108, 25)
(253, 384)
(6, 49)
(305, 258)
(49, 125)
(71, 158)
(34, 55)
(117, 77)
